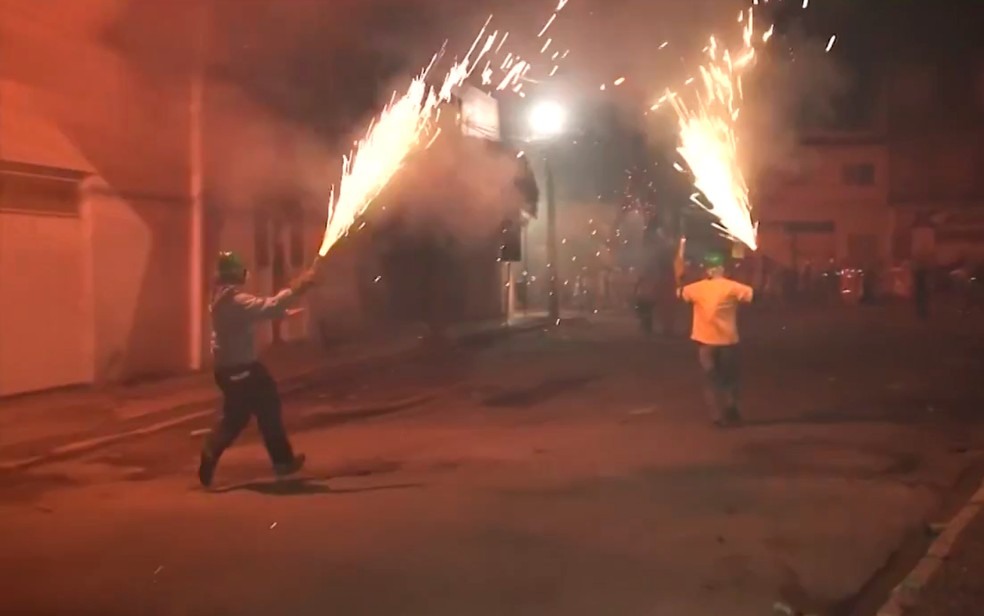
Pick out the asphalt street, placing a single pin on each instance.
(567, 471)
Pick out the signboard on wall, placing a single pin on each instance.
(479, 114)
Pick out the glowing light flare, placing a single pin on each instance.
(830, 43)
(619, 81)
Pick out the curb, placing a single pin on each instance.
(289, 385)
(905, 594)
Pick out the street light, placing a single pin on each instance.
(547, 121)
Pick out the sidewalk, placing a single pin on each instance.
(957, 588)
(61, 423)
(949, 580)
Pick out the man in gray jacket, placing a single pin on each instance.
(247, 387)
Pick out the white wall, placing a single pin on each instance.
(46, 311)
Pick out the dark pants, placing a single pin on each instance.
(249, 390)
(720, 366)
(921, 294)
(666, 307)
(644, 310)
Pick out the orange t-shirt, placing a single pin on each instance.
(715, 303)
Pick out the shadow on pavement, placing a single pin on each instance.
(539, 393)
(323, 420)
(305, 486)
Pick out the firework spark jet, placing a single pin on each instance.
(404, 124)
(708, 143)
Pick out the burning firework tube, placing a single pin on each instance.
(678, 262)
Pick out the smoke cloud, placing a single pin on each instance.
(463, 187)
(792, 90)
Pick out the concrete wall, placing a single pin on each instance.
(46, 337)
(814, 189)
(71, 102)
(139, 263)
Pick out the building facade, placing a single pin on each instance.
(936, 156)
(120, 181)
(829, 205)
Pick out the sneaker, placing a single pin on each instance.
(289, 468)
(206, 469)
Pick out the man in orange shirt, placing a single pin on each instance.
(715, 330)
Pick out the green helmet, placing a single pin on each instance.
(713, 259)
(230, 268)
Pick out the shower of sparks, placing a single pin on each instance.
(514, 75)
(381, 153)
(502, 42)
(707, 120)
(388, 141)
(708, 143)
(407, 121)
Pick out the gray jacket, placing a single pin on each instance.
(234, 312)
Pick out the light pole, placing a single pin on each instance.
(547, 121)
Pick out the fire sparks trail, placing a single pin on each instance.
(708, 143)
(389, 140)
(404, 123)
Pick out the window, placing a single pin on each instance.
(862, 174)
(39, 194)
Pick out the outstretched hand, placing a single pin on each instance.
(304, 281)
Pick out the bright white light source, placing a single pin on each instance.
(547, 119)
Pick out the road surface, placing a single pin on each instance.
(566, 472)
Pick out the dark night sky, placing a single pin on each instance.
(326, 64)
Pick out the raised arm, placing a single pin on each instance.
(685, 293)
(260, 308)
(276, 306)
(743, 293)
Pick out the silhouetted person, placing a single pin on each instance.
(645, 300)
(715, 330)
(921, 290)
(247, 387)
